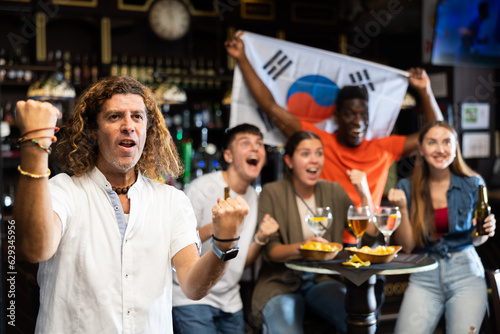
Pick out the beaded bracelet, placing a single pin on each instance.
(225, 240)
(34, 176)
(258, 242)
(24, 139)
(41, 129)
(34, 141)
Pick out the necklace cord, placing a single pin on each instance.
(308, 208)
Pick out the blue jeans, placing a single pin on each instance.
(284, 314)
(456, 288)
(206, 319)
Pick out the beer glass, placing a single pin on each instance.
(358, 218)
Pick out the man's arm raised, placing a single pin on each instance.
(283, 119)
(38, 227)
(198, 275)
(420, 81)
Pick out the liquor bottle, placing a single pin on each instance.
(160, 70)
(8, 114)
(11, 73)
(186, 151)
(123, 70)
(168, 66)
(143, 70)
(201, 72)
(77, 70)
(134, 69)
(3, 62)
(210, 72)
(188, 68)
(150, 70)
(85, 70)
(114, 66)
(94, 69)
(482, 210)
(28, 74)
(68, 68)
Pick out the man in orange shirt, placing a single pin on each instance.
(350, 159)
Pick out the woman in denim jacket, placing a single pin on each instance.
(437, 206)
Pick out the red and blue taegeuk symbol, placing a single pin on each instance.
(312, 98)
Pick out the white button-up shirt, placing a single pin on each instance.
(108, 276)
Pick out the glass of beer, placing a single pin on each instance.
(387, 220)
(358, 218)
(320, 220)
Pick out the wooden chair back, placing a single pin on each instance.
(493, 277)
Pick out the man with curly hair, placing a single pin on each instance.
(107, 236)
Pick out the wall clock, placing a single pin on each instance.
(169, 19)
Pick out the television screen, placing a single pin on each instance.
(467, 33)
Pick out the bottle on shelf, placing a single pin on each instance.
(18, 55)
(68, 68)
(28, 74)
(11, 73)
(150, 71)
(201, 72)
(8, 114)
(168, 66)
(85, 65)
(218, 121)
(77, 70)
(143, 71)
(114, 69)
(3, 62)
(210, 73)
(176, 72)
(188, 67)
(94, 69)
(186, 151)
(134, 68)
(124, 70)
(159, 70)
(482, 211)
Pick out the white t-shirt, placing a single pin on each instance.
(203, 193)
(107, 276)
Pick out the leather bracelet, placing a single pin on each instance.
(225, 240)
(258, 242)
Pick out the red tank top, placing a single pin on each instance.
(441, 221)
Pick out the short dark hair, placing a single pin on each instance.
(351, 92)
(242, 128)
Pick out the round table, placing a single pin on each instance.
(360, 302)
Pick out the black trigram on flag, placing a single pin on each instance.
(362, 79)
(267, 122)
(277, 64)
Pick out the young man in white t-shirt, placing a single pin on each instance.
(221, 310)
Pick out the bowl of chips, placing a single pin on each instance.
(320, 251)
(379, 254)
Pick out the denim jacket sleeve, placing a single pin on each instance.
(462, 198)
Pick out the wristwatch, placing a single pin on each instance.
(227, 255)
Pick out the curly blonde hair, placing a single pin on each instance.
(77, 150)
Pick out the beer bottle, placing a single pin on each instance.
(482, 210)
